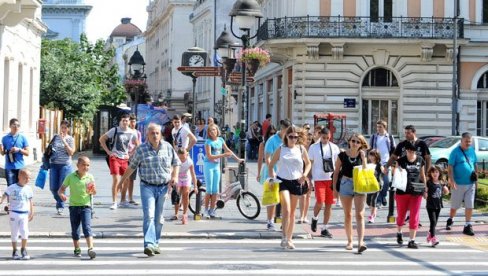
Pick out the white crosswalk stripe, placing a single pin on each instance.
(242, 257)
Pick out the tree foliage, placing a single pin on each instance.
(79, 77)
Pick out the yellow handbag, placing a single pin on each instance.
(271, 192)
(364, 180)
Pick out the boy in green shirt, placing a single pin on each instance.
(82, 187)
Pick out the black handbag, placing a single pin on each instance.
(473, 177)
(327, 163)
(416, 188)
(46, 157)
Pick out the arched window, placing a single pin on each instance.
(380, 94)
(483, 81)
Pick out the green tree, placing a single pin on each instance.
(79, 77)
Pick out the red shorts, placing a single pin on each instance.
(118, 166)
(323, 192)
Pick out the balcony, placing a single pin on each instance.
(359, 27)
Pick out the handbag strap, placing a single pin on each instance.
(322, 151)
(465, 156)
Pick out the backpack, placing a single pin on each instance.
(391, 146)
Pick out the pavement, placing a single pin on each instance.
(127, 222)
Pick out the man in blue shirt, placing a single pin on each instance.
(462, 171)
(14, 146)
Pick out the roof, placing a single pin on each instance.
(126, 29)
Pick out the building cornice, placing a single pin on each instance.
(165, 15)
(64, 9)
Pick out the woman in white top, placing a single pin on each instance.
(293, 168)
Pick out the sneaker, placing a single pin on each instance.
(468, 230)
(212, 213)
(326, 233)
(15, 255)
(184, 219)
(270, 226)
(91, 253)
(173, 218)
(156, 250)
(313, 226)
(399, 238)
(283, 242)
(412, 244)
(148, 251)
(449, 224)
(6, 208)
(124, 204)
(206, 214)
(429, 238)
(25, 255)
(113, 206)
(434, 241)
(370, 219)
(384, 202)
(60, 211)
(290, 245)
(132, 202)
(77, 252)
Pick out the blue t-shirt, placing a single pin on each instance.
(9, 141)
(461, 168)
(216, 147)
(273, 143)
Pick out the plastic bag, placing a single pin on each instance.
(399, 180)
(41, 178)
(271, 192)
(364, 180)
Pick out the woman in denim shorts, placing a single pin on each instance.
(355, 155)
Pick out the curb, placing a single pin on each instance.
(169, 235)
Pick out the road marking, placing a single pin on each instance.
(233, 272)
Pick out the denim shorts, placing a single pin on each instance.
(347, 187)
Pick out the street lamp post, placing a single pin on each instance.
(245, 13)
(137, 75)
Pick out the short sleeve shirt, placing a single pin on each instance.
(330, 150)
(180, 137)
(461, 167)
(60, 155)
(184, 173)
(19, 197)
(434, 195)
(421, 146)
(348, 163)
(216, 147)
(413, 171)
(122, 140)
(9, 141)
(77, 188)
(273, 143)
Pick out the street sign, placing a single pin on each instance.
(349, 103)
(197, 155)
(208, 69)
(206, 74)
(236, 77)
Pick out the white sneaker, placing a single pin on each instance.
(124, 204)
(113, 206)
(60, 211)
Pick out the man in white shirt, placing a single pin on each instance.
(385, 144)
(182, 136)
(324, 150)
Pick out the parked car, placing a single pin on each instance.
(429, 140)
(441, 149)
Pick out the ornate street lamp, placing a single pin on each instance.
(245, 13)
(137, 78)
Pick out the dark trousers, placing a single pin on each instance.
(433, 218)
(12, 176)
(80, 215)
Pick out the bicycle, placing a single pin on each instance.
(247, 203)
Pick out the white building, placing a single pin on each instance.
(21, 29)
(168, 34)
(393, 58)
(65, 18)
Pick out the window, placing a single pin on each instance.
(482, 118)
(380, 77)
(375, 110)
(485, 11)
(381, 8)
(482, 144)
(483, 81)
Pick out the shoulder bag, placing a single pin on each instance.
(110, 143)
(327, 163)
(473, 177)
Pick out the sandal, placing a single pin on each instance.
(174, 218)
(133, 203)
(349, 246)
(362, 248)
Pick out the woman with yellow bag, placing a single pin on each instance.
(355, 155)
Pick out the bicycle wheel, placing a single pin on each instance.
(192, 202)
(248, 204)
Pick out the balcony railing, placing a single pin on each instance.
(359, 27)
(64, 2)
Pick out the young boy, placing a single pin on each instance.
(82, 187)
(21, 212)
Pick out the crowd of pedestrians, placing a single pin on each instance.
(301, 159)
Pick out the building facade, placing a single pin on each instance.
(169, 33)
(65, 18)
(390, 60)
(21, 30)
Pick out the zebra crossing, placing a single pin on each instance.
(243, 257)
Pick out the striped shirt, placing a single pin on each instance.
(155, 166)
(60, 156)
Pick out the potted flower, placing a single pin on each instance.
(254, 58)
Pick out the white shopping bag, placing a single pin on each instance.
(399, 180)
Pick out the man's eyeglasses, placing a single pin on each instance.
(15, 125)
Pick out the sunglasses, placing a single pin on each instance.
(292, 137)
(355, 141)
(15, 125)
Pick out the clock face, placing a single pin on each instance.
(196, 60)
